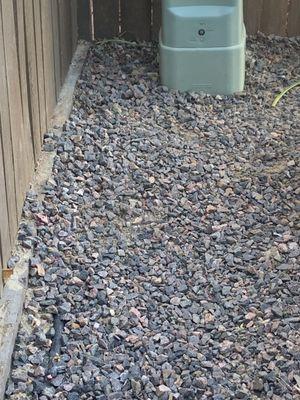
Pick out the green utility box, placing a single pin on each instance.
(202, 45)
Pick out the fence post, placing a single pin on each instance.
(84, 20)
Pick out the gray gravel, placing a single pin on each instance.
(165, 251)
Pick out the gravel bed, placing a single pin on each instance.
(165, 250)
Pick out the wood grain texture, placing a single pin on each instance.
(252, 14)
(293, 26)
(15, 102)
(83, 19)
(74, 25)
(65, 29)
(6, 141)
(56, 46)
(106, 18)
(156, 22)
(48, 58)
(35, 87)
(40, 71)
(22, 58)
(136, 20)
(5, 240)
(274, 17)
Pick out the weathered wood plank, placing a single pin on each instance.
(106, 18)
(6, 139)
(136, 20)
(35, 87)
(48, 58)
(84, 20)
(5, 241)
(252, 15)
(40, 69)
(14, 100)
(156, 23)
(56, 46)
(274, 17)
(293, 27)
(65, 28)
(74, 25)
(28, 149)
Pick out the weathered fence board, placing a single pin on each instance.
(136, 20)
(37, 23)
(32, 70)
(28, 145)
(293, 27)
(106, 16)
(49, 64)
(84, 20)
(274, 17)
(14, 101)
(5, 240)
(74, 24)
(65, 29)
(252, 13)
(56, 47)
(141, 19)
(156, 21)
(36, 88)
(10, 185)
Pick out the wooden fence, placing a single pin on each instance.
(141, 19)
(37, 41)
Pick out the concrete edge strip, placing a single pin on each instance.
(11, 303)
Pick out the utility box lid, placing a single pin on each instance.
(202, 23)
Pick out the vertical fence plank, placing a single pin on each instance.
(156, 23)
(65, 29)
(40, 70)
(48, 57)
(22, 58)
(56, 46)
(274, 17)
(5, 241)
(293, 28)
(252, 15)
(84, 19)
(74, 25)
(34, 84)
(6, 141)
(15, 102)
(106, 18)
(136, 19)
